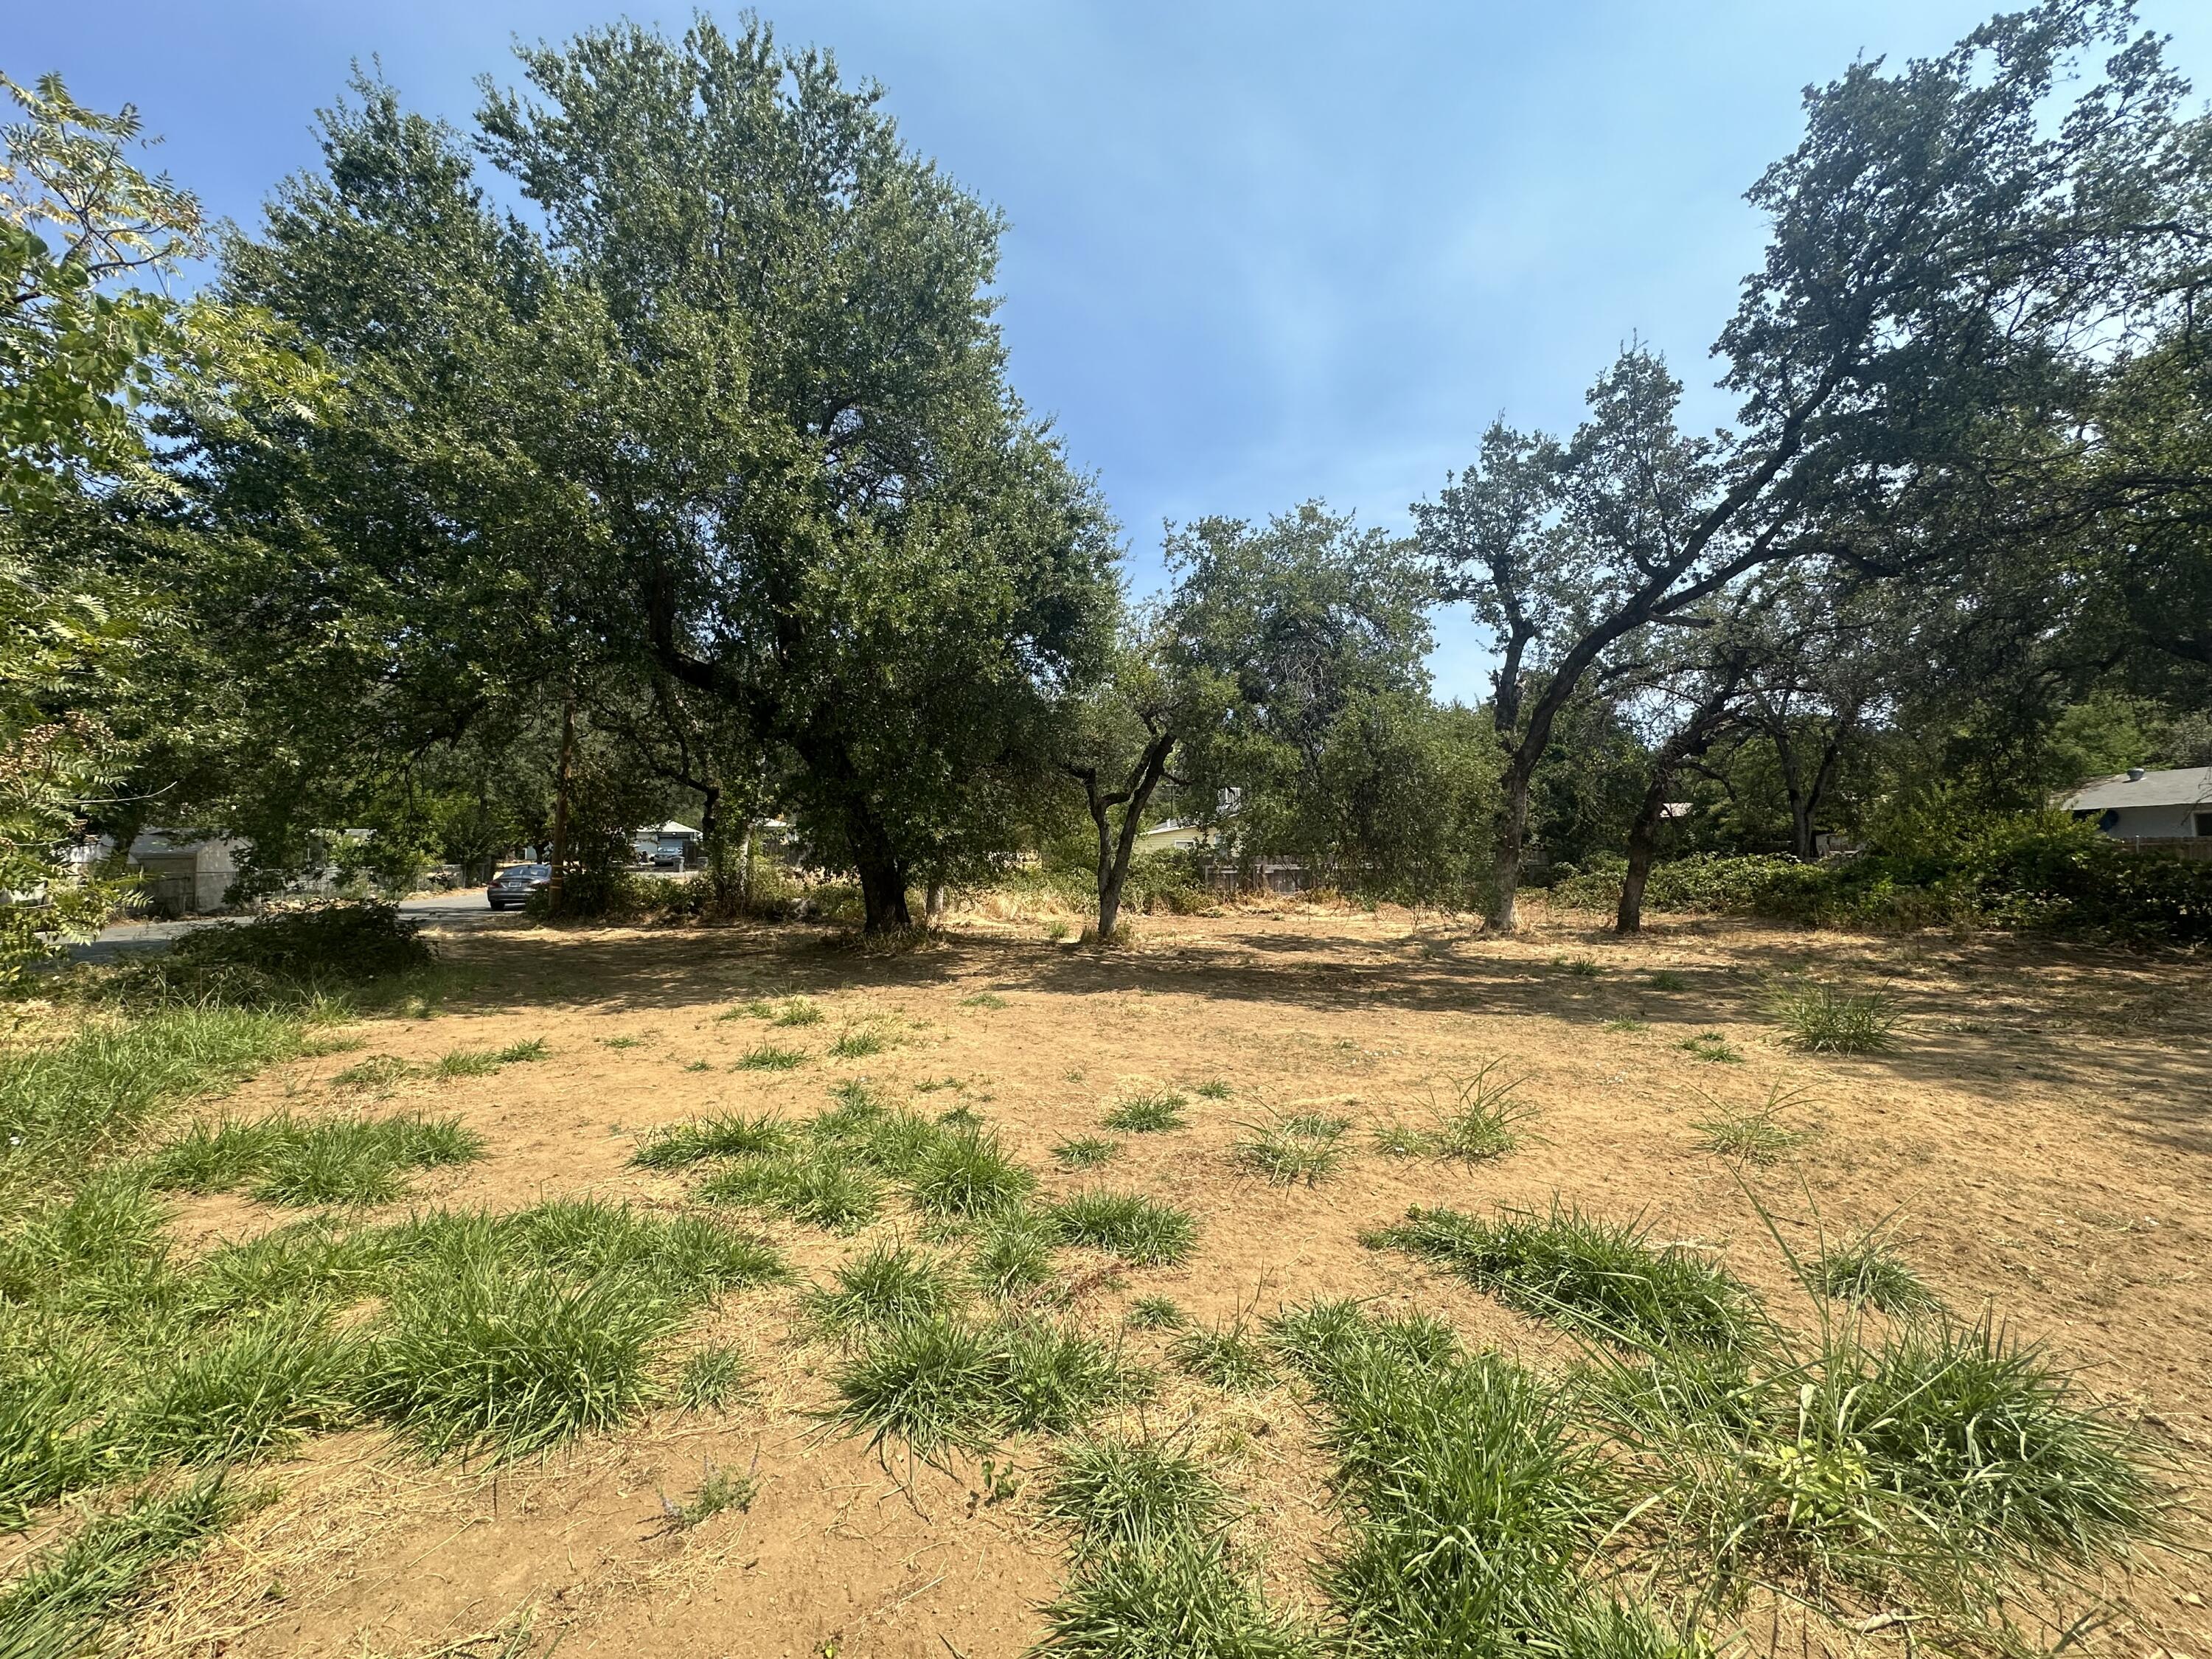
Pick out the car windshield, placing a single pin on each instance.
(522, 872)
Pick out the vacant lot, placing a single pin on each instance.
(2035, 1139)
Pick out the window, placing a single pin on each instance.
(2205, 825)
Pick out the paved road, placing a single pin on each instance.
(464, 905)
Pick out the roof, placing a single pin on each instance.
(2183, 786)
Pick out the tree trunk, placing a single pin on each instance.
(553, 893)
(1643, 843)
(713, 836)
(745, 865)
(936, 898)
(1512, 828)
(1801, 827)
(882, 893)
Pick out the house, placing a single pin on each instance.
(2144, 806)
(187, 871)
(1171, 836)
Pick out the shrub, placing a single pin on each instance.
(283, 959)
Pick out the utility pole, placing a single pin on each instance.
(561, 805)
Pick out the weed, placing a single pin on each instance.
(1481, 1121)
(1666, 979)
(712, 1378)
(56, 1607)
(940, 1385)
(1711, 1045)
(1150, 1113)
(1864, 1271)
(1177, 1598)
(1579, 966)
(720, 1489)
(1824, 1021)
(858, 1044)
(700, 1065)
(1599, 1276)
(889, 1286)
(621, 1042)
(815, 1188)
(359, 1161)
(767, 1057)
(1127, 1224)
(727, 1136)
(1749, 1136)
(1112, 1493)
(683, 1258)
(967, 1173)
(983, 999)
(1287, 1150)
(1013, 1258)
(479, 1357)
(1229, 1357)
(377, 1072)
(1055, 931)
(256, 1389)
(1156, 1313)
(1085, 1152)
(522, 1053)
(478, 1062)
(1624, 1026)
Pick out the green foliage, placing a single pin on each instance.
(1114, 1494)
(712, 1378)
(1581, 1270)
(1825, 1021)
(1085, 1152)
(770, 1058)
(487, 1358)
(942, 1385)
(1146, 1114)
(341, 1161)
(2035, 871)
(284, 959)
(720, 1491)
(1750, 1136)
(1013, 1259)
(257, 1388)
(1156, 1313)
(1228, 1356)
(1863, 1270)
(1286, 1151)
(57, 1606)
(1180, 1597)
(728, 1135)
(811, 1187)
(885, 1286)
(60, 1105)
(968, 1173)
(1127, 1224)
(1713, 1047)
(1480, 1121)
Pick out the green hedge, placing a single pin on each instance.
(2039, 871)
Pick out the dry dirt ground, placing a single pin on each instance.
(2039, 1139)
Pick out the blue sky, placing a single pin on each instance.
(1259, 252)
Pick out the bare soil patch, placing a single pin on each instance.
(2038, 1138)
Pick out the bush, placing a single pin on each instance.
(2035, 870)
(284, 958)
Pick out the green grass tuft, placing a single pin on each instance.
(885, 1287)
(255, 1389)
(1013, 1259)
(1179, 1598)
(1112, 1493)
(1748, 1136)
(713, 1378)
(57, 1606)
(1156, 1313)
(967, 1173)
(1085, 1152)
(719, 1491)
(767, 1057)
(813, 1188)
(1213, 1088)
(941, 1386)
(858, 1044)
(1229, 1357)
(1481, 1121)
(983, 999)
(1148, 1113)
(1863, 1270)
(1598, 1276)
(1289, 1150)
(334, 1161)
(1822, 1020)
(1712, 1045)
(726, 1135)
(1127, 1224)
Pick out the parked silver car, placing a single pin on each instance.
(513, 886)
